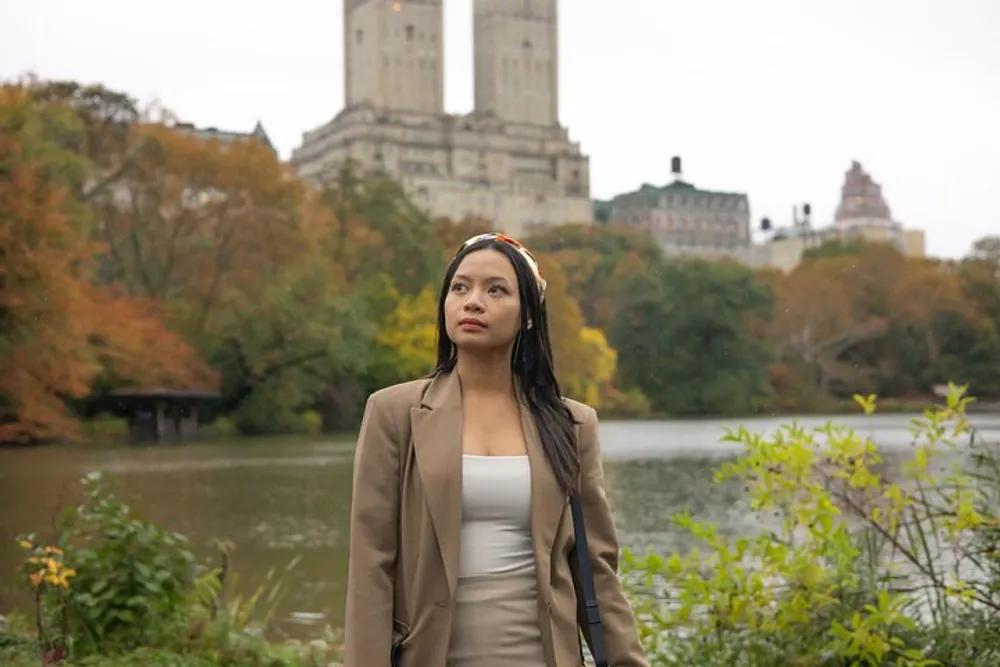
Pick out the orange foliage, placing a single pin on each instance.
(827, 306)
(451, 235)
(56, 328)
(818, 317)
(196, 219)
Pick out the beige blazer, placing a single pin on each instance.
(406, 518)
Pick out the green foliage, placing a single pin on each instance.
(683, 337)
(835, 249)
(121, 592)
(854, 570)
(132, 576)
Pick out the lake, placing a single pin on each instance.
(276, 499)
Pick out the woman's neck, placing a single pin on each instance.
(485, 374)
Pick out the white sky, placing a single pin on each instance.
(769, 97)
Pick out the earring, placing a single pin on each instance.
(530, 323)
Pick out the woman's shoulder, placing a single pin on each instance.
(400, 396)
(581, 412)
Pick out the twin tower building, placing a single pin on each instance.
(508, 161)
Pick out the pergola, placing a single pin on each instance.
(159, 413)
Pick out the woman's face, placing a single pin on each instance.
(483, 309)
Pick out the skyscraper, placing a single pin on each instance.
(509, 160)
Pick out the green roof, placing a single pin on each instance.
(653, 193)
(602, 210)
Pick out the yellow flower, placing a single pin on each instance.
(25, 544)
(56, 551)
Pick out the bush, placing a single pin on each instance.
(131, 578)
(856, 569)
(116, 591)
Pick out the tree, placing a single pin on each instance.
(407, 338)
(573, 363)
(987, 249)
(198, 221)
(60, 332)
(106, 120)
(817, 320)
(683, 339)
(399, 239)
(597, 261)
(451, 235)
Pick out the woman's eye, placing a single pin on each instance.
(499, 289)
(456, 287)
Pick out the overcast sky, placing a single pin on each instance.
(769, 97)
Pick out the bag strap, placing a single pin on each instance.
(593, 614)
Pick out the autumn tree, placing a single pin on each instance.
(817, 319)
(379, 230)
(871, 319)
(597, 260)
(972, 347)
(61, 332)
(194, 220)
(452, 234)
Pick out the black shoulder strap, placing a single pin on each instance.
(594, 626)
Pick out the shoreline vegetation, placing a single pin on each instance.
(855, 568)
(140, 256)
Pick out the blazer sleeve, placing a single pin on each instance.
(373, 537)
(621, 637)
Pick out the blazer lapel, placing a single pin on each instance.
(437, 445)
(548, 501)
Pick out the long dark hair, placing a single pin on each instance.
(530, 363)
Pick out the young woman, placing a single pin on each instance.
(462, 540)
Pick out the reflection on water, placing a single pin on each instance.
(276, 499)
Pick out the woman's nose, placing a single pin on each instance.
(474, 303)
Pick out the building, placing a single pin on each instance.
(212, 133)
(683, 219)
(509, 160)
(861, 215)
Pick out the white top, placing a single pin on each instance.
(496, 515)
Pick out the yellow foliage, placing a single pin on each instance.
(411, 334)
(603, 357)
(600, 363)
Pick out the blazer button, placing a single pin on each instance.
(442, 603)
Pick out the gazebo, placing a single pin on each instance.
(158, 413)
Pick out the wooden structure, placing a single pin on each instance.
(157, 413)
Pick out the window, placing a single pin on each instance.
(359, 36)
(409, 33)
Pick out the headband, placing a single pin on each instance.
(519, 247)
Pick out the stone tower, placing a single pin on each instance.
(516, 60)
(394, 54)
(861, 197)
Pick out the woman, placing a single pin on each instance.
(462, 536)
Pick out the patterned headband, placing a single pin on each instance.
(519, 247)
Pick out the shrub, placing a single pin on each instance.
(856, 569)
(131, 579)
(118, 591)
